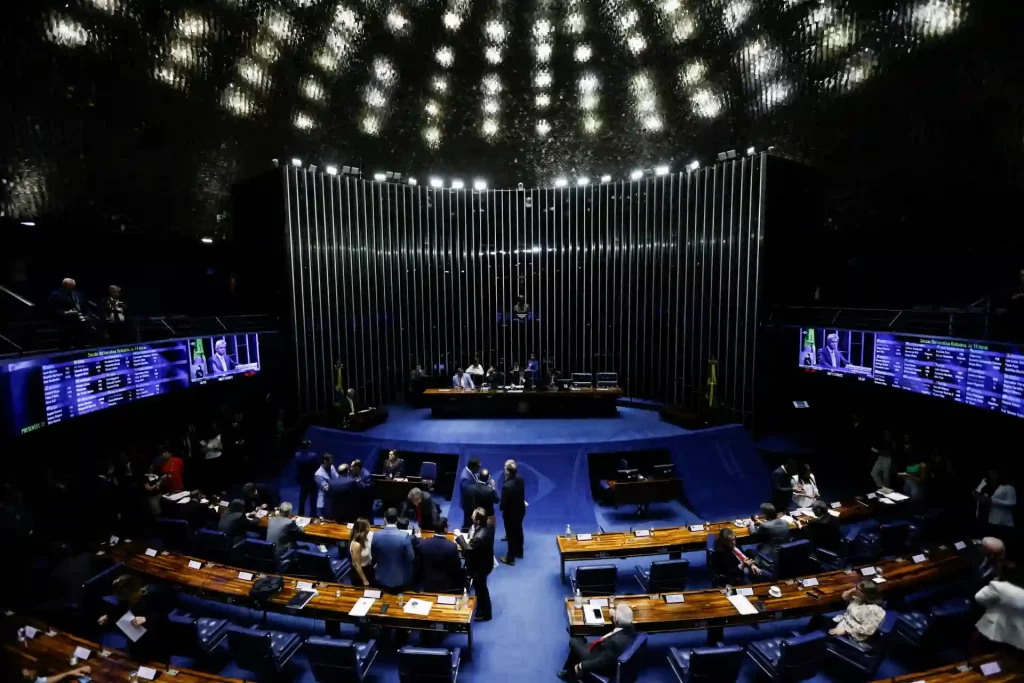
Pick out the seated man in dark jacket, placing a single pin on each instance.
(771, 533)
(824, 531)
(259, 497)
(149, 604)
(441, 564)
(601, 656)
(235, 523)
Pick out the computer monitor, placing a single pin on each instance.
(664, 471)
(582, 379)
(608, 378)
(627, 475)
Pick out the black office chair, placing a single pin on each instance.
(887, 539)
(319, 566)
(265, 652)
(428, 664)
(719, 664)
(215, 545)
(337, 660)
(792, 659)
(262, 556)
(788, 561)
(597, 579)
(191, 636)
(173, 533)
(663, 576)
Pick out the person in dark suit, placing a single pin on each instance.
(198, 514)
(150, 604)
(393, 555)
(342, 498)
(307, 462)
(482, 493)
(220, 362)
(729, 565)
(441, 564)
(259, 497)
(600, 656)
(348, 404)
(467, 477)
(420, 508)
(394, 467)
(830, 355)
(282, 530)
(782, 485)
(771, 533)
(478, 552)
(68, 309)
(823, 531)
(363, 500)
(235, 523)
(513, 510)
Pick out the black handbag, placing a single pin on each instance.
(266, 588)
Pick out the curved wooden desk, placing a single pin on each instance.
(334, 531)
(333, 604)
(680, 539)
(710, 608)
(1011, 668)
(51, 654)
(494, 402)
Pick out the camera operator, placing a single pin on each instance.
(114, 312)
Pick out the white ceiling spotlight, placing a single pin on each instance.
(606, 178)
(636, 175)
(479, 185)
(583, 180)
(694, 165)
(750, 151)
(412, 181)
(332, 170)
(561, 182)
(457, 184)
(296, 162)
(379, 177)
(661, 170)
(436, 182)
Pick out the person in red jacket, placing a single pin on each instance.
(174, 468)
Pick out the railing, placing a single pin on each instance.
(968, 323)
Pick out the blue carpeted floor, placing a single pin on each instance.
(527, 638)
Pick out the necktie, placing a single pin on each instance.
(739, 554)
(833, 354)
(599, 640)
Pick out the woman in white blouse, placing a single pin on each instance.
(808, 487)
(863, 615)
(1001, 502)
(1003, 600)
(359, 551)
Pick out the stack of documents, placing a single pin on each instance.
(420, 608)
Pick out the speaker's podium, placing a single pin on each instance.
(360, 420)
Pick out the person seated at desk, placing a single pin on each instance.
(517, 378)
(771, 533)
(394, 467)
(824, 531)
(282, 530)
(198, 514)
(533, 368)
(476, 371)
(864, 613)
(149, 603)
(805, 488)
(393, 555)
(259, 497)
(601, 656)
(495, 378)
(460, 380)
(728, 563)
(235, 523)
(441, 564)
(420, 508)
(359, 551)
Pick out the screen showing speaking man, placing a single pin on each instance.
(223, 356)
(839, 351)
(831, 355)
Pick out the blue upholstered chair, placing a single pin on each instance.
(789, 561)
(319, 566)
(189, 635)
(265, 652)
(706, 664)
(887, 539)
(215, 545)
(863, 658)
(173, 533)
(947, 623)
(628, 665)
(663, 576)
(428, 471)
(596, 579)
(262, 556)
(787, 660)
(336, 660)
(828, 560)
(428, 664)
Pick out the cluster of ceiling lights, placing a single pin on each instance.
(588, 87)
(543, 33)
(635, 175)
(645, 102)
(182, 50)
(433, 108)
(276, 30)
(625, 21)
(376, 95)
(495, 33)
(343, 37)
(736, 14)
(678, 22)
(66, 31)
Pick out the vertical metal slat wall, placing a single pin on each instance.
(651, 279)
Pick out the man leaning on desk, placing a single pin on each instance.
(462, 380)
(601, 656)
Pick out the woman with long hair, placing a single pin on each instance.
(359, 550)
(805, 488)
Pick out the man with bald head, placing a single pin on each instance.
(992, 557)
(67, 308)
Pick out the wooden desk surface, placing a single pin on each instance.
(49, 655)
(333, 603)
(682, 539)
(335, 532)
(610, 394)
(711, 608)
(1011, 668)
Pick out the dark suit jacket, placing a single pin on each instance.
(824, 358)
(782, 489)
(441, 565)
(215, 364)
(306, 465)
(427, 510)
(397, 471)
(513, 498)
(727, 566)
(824, 533)
(198, 515)
(264, 496)
(480, 495)
(479, 550)
(235, 524)
(602, 658)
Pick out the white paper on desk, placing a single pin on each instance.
(350, 526)
(447, 600)
(371, 593)
(887, 501)
(599, 602)
(990, 668)
(642, 533)
(740, 523)
(584, 537)
(867, 571)
(245, 576)
(114, 540)
(675, 599)
(742, 605)
(807, 583)
(30, 632)
(836, 505)
(918, 559)
(696, 527)
(878, 579)
(82, 653)
(959, 545)
(788, 519)
(872, 496)
(181, 502)
(302, 521)
(420, 608)
(150, 552)
(176, 496)
(834, 513)
(192, 564)
(592, 616)
(361, 608)
(744, 591)
(146, 673)
(893, 495)
(304, 586)
(125, 624)
(260, 514)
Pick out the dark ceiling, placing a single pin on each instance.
(142, 113)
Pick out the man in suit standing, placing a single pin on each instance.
(221, 363)
(830, 356)
(513, 510)
(466, 479)
(282, 530)
(600, 657)
(419, 507)
(363, 498)
(343, 498)
(440, 562)
(771, 533)
(393, 554)
(478, 551)
(782, 486)
(307, 462)
(348, 404)
(483, 493)
(323, 479)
